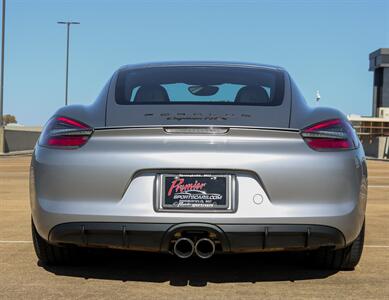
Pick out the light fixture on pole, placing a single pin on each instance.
(318, 97)
(2, 66)
(68, 23)
(2, 127)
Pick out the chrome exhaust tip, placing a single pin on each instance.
(205, 248)
(183, 248)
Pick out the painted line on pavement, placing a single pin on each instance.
(15, 242)
(378, 186)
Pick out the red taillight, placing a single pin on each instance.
(330, 135)
(66, 133)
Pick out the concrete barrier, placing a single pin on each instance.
(18, 138)
(377, 147)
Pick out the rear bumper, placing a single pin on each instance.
(233, 238)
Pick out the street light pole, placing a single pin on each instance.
(67, 56)
(2, 66)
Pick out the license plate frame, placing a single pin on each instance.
(198, 205)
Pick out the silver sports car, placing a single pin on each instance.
(195, 159)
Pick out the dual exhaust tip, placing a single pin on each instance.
(203, 248)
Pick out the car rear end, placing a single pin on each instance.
(199, 177)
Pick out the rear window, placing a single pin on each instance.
(200, 85)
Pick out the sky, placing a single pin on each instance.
(324, 45)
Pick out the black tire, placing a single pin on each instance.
(341, 259)
(54, 255)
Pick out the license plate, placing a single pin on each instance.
(203, 192)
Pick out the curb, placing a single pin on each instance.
(377, 159)
(17, 153)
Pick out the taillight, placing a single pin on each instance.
(331, 135)
(65, 133)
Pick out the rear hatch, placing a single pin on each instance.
(199, 96)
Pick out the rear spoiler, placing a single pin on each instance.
(197, 128)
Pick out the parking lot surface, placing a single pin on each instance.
(123, 275)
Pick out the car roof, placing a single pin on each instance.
(199, 64)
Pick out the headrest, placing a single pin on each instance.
(252, 94)
(151, 94)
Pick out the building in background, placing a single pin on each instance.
(379, 64)
(374, 131)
